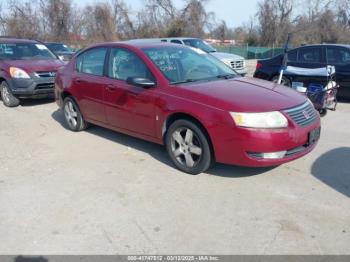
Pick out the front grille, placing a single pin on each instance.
(45, 86)
(303, 115)
(239, 64)
(45, 74)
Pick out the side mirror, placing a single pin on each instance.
(139, 81)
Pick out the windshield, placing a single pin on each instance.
(198, 43)
(182, 64)
(25, 51)
(58, 47)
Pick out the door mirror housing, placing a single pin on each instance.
(140, 81)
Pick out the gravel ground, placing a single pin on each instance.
(251, 66)
(101, 192)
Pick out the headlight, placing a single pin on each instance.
(260, 120)
(18, 73)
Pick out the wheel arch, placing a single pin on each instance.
(277, 75)
(181, 115)
(65, 94)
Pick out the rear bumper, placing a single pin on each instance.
(262, 75)
(32, 88)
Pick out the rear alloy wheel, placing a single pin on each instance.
(188, 147)
(73, 116)
(8, 98)
(284, 81)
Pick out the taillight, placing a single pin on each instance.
(258, 65)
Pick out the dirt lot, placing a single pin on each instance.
(101, 192)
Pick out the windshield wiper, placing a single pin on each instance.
(184, 81)
(226, 76)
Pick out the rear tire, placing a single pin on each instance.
(322, 112)
(7, 97)
(72, 115)
(188, 147)
(285, 81)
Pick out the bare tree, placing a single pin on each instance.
(123, 23)
(275, 20)
(194, 18)
(99, 23)
(23, 19)
(58, 14)
(154, 19)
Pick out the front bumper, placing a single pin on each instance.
(33, 87)
(242, 71)
(241, 146)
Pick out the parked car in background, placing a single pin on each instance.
(27, 70)
(234, 61)
(311, 56)
(188, 100)
(61, 50)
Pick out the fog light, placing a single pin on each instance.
(273, 155)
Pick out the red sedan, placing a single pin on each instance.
(188, 100)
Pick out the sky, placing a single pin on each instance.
(233, 12)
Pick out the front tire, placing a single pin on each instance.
(7, 97)
(188, 147)
(72, 115)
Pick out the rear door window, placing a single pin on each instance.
(310, 55)
(92, 61)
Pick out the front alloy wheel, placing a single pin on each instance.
(8, 98)
(188, 147)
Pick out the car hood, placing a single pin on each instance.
(31, 66)
(242, 94)
(227, 56)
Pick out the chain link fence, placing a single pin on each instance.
(250, 52)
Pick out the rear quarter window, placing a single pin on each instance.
(310, 55)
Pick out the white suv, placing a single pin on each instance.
(234, 61)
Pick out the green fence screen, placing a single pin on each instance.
(251, 52)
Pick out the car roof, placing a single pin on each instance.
(138, 44)
(162, 38)
(180, 38)
(54, 43)
(5, 40)
(322, 45)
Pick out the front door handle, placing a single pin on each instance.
(111, 88)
